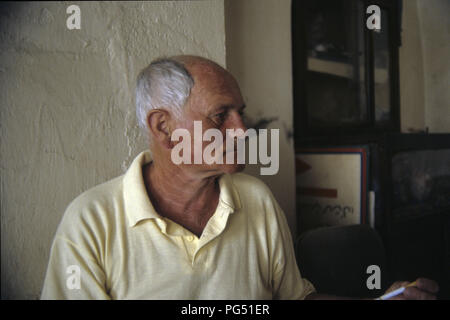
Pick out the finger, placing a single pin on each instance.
(399, 297)
(427, 285)
(396, 285)
(414, 293)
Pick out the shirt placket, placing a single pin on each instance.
(213, 229)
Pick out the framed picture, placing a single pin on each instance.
(332, 186)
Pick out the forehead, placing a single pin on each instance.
(214, 85)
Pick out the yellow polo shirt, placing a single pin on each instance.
(112, 244)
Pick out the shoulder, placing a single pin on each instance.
(94, 208)
(255, 195)
(260, 206)
(250, 184)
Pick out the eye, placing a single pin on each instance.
(221, 116)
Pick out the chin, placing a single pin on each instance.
(217, 170)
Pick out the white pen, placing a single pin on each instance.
(395, 292)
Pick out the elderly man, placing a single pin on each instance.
(180, 231)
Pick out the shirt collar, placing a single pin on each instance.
(138, 205)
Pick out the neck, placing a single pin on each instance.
(181, 196)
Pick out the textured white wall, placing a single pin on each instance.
(67, 109)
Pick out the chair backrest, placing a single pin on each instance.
(335, 260)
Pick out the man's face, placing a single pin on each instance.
(216, 101)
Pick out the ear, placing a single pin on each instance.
(158, 122)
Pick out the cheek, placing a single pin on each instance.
(196, 133)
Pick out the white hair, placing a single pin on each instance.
(164, 84)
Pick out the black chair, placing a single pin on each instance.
(335, 260)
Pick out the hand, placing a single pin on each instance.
(424, 289)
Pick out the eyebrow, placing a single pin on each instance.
(226, 107)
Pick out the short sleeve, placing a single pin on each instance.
(72, 274)
(288, 283)
(75, 269)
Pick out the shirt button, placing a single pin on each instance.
(190, 238)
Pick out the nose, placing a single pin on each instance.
(238, 123)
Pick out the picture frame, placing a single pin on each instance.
(332, 186)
